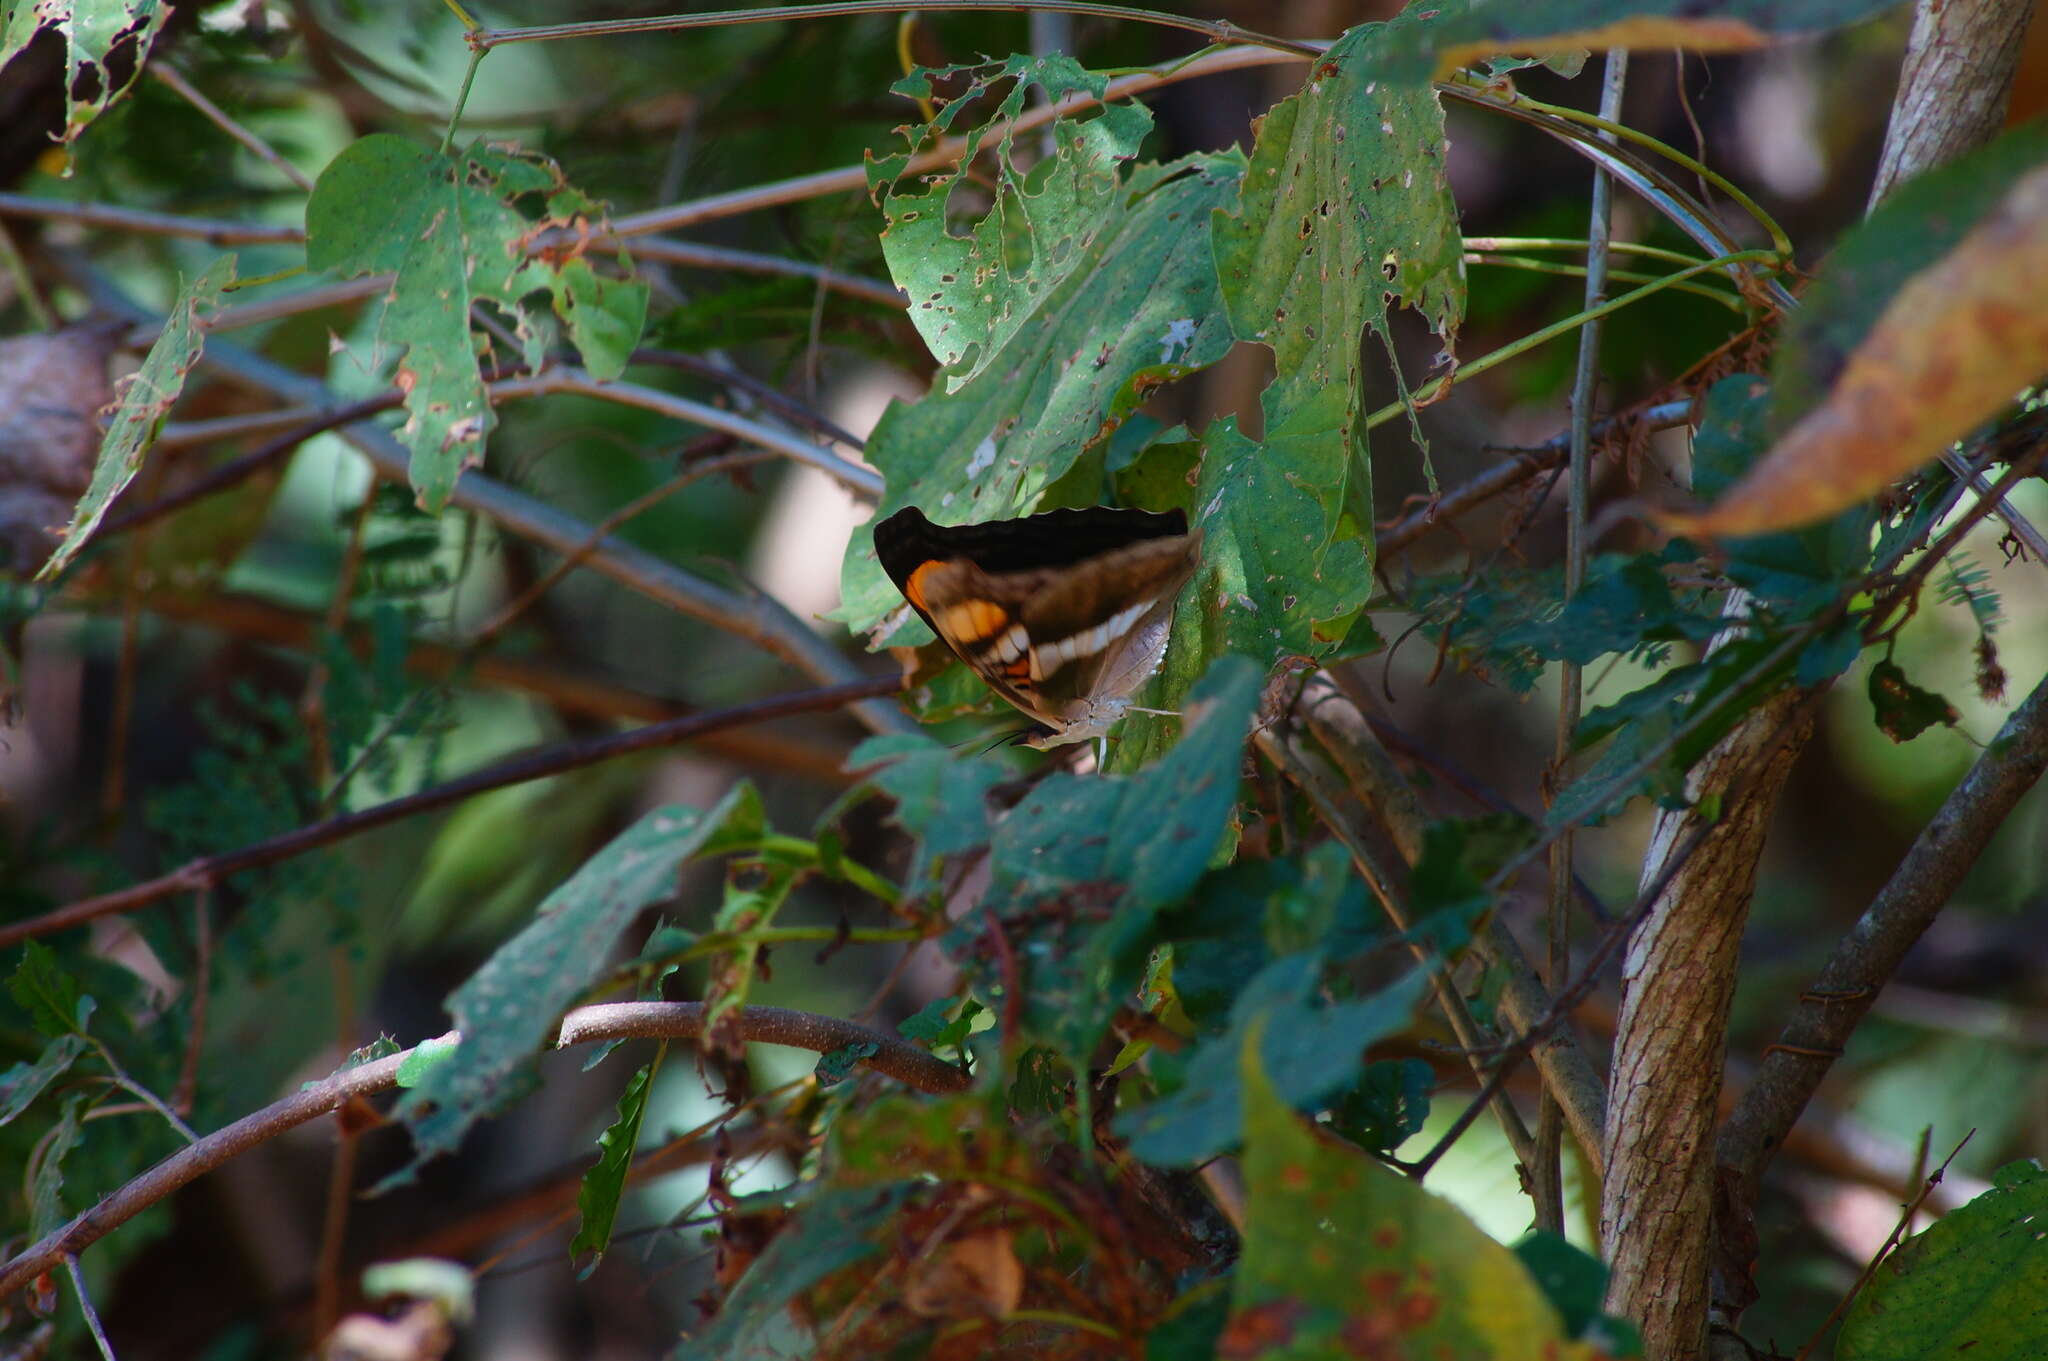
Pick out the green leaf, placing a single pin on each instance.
(1389, 1104)
(451, 228)
(1036, 1090)
(1138, 308)
(941, 799)
(1342, 1254)
(92, 31)
(1574, 1281)
(507, 1008)
(1310, 1050)
(971, 294)
(1903, 709)
(836, 1065)
(1974, 1284)
(1101, 856)
(1462, 31)
(21, 1084)
(50, 996)
(145, 400)
(604, 1185)
(1345, 210)
(46, 1204)
(1919, 223)
(424, 1058)
(931, 1025)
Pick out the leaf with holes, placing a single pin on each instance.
(1138, 310)
(452, 229)
(94, 32)
(146, 399)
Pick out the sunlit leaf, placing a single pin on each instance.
(1974, 1284)
(145, 400)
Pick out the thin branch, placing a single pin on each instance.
(693, 255)
(1932, 869)
(215, 115)
(1216, 30)
(92, 1317)
(568, 691)
(1463, 1024)
(1549, 1189)
(147, 223)
(211, 869)
(894, 1057)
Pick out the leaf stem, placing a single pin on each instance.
(476, 59)
(1535, 266)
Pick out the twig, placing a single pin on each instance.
(147, 223)
(1872, 950)
(92, 1318)
(209, 870)
(1506, 477)
(1891, 1241)
(693, 255)
(1549, 1189)
(213, 114)
(893, 1057)
(1216, 30)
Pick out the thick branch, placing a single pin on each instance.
(893, 1057)
(1865, 959)
(1954, 85)
(211, 869)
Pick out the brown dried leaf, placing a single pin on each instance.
(1957, 343)
(977, 1274)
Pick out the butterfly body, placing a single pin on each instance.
(1064, 613)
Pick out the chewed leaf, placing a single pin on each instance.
(145, 400)
(1139, 309)
(452, 229)
(92, 31)
(1463, 31)
(971, 293)
(1957, 344)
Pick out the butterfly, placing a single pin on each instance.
(1064, 613)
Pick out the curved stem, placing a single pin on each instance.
(1557, 328)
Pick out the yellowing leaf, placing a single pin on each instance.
(1958, 341)
(1344, 1257)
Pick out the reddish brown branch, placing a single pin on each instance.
(893, 1057)
(209, 870)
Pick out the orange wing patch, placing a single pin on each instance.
(971, 621)
(913, 587)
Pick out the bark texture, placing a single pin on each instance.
(1677, 982)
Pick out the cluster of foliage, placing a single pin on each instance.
(1148, 1122)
